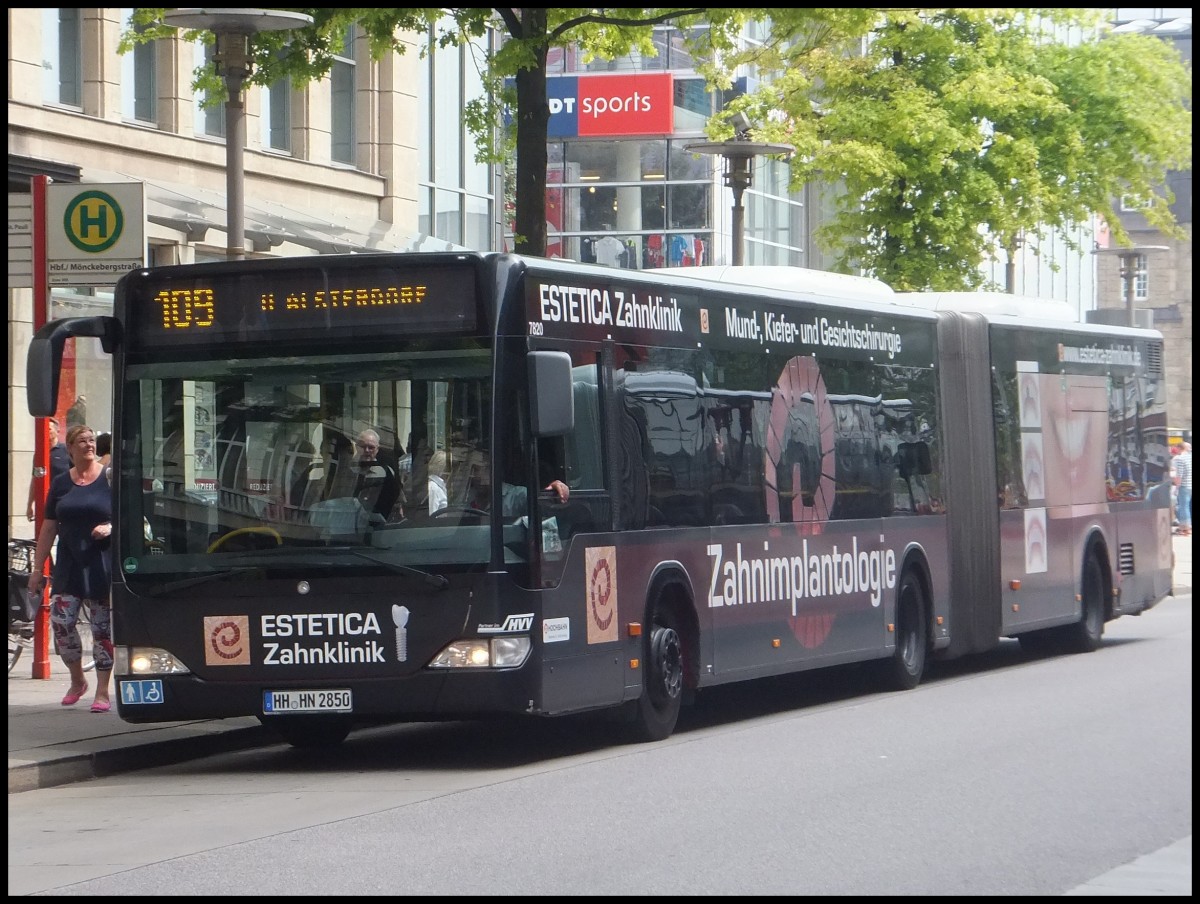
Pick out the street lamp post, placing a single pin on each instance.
(1128, 258)
(233, 28)
(738, 175)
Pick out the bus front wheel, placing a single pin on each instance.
(662, 694)
(904, 669)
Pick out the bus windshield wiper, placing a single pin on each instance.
(201, 579)
(271, 557)
(437, 581)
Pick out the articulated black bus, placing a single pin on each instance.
(761, 480)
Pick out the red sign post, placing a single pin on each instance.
(41, 447)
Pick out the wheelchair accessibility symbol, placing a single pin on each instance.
(141, 692)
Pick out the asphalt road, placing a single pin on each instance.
(1000, 775)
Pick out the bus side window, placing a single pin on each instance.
(583, 452)
(577, 458)
(913, 462)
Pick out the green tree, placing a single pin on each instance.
(958, 132)
(307, 54)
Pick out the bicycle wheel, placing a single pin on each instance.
(14, 650)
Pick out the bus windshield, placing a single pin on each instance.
(331, 462)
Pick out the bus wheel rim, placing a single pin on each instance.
(666, 662)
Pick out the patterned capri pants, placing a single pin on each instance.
(64, 615)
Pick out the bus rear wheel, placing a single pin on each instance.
(662, 696)
(1085, 635)
(309, 732)
(906, 666)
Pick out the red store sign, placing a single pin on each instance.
(640, 103)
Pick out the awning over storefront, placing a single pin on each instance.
(268, 224)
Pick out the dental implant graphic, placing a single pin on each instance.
(400, 620)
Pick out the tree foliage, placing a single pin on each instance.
(957, 133)
(307, 54)
(951, 134)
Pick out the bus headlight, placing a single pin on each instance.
(133, 661)
(491, 653)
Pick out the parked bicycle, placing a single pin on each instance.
(22, 609)
(20, 637)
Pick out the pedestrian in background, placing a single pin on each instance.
(438, 471)
(60, 463)
(79, 514)
(104, 448)
(1183, 485)
(1174, 478)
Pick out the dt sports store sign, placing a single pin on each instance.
(598, 105)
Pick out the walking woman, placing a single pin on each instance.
(79, 513)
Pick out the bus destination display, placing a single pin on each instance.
(184, 308)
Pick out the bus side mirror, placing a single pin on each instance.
(550, 393)
(44, 361)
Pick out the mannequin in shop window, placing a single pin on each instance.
(609, 251)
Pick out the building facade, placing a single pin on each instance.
(375, 157)
(1161, 279)
(623, 188)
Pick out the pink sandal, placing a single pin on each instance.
(101, 706)
(72, 696)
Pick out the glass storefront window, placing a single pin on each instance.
(693, 104)
(592, 162)
(689, 206)
(477, 227)
(683, 164)
(668, 41)
(448, 129)
(629, 160)
(654, 207)
(425, 210)
(608, 201)
(456, 192)
(87, 368)
(649, 203)
(597, 207)
(636, 251)
(680, 57)
(449, 216)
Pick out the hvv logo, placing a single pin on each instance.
(514, 624)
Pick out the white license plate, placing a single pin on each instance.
(277, 703)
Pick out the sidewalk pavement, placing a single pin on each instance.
(50, 744)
